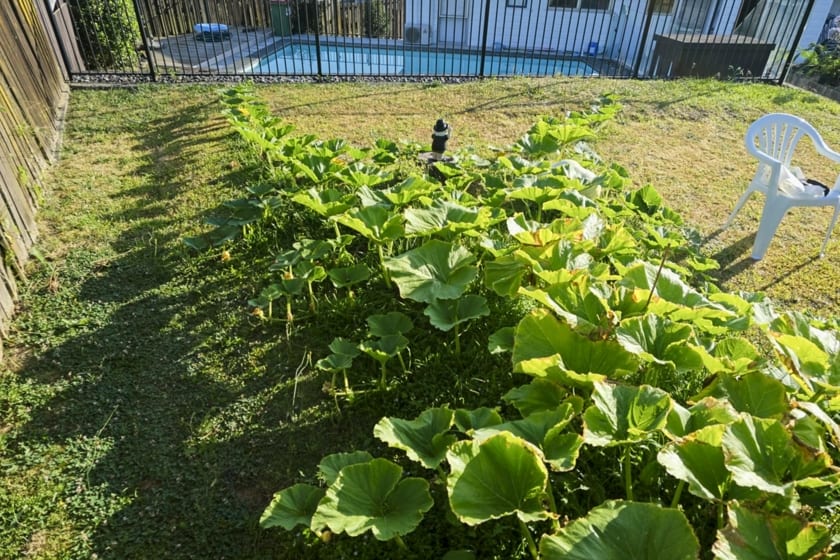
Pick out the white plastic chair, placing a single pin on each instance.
(772, 139)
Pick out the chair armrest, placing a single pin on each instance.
(823, 149)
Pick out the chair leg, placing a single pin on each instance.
(830, 229)
(738, 206)
(770, 218)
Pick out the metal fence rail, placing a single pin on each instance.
(177, 39)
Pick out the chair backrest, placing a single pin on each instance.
(776, 135)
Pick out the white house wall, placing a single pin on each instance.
(549, 29)
(617, 32)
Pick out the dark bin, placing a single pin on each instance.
(281, 22)
(709, 55)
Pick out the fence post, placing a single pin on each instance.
(643, 42)
(143, 32)
(59, 38)
(800, 31)
(318, 39)
(485, 30)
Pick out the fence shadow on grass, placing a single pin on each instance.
(176, 415)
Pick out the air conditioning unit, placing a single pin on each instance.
(417, 34)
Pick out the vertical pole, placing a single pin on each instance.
(143, 32)
(799, 32)
(318, 38)
(643, 42)
(59, 38)
(485, 30)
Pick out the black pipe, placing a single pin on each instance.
(484, 37)
(143, 32)
(643, 42)
(802, 24)
(318, 39)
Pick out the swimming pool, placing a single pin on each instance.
(337, 60)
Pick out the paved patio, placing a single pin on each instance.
(189, 54)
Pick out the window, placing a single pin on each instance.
(580, 4)
(663, 6)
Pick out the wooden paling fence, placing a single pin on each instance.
(164, 18)
(176, 17)
(352, 19)
(33, 95)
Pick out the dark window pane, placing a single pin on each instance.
(595, 4)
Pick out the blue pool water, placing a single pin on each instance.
(301, 59)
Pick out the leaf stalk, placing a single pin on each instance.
(529, 539)
(628, 475)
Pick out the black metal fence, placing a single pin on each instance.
(161, 40)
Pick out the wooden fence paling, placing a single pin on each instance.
(177, 17)
(33, 95)
(165, 18)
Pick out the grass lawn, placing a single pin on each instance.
(144, 413)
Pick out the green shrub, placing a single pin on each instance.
(377, 19)
(304, 17)
(823, 62)
(107, 32)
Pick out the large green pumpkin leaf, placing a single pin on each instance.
(754, 393)
(561, 449)
(446, 313)
(623, 414)
(698, 462)
(738, 353)
(446, 216)
(758, 536)
(504, 274)
(582, 303)
(542, 341)
(435, 270)
(412, 188)
(540, 394)
(501, 341)
(545, 429)
(660, 341)
(618, 530)
(343, 353)
(805, 356)
(331, 465)
(347, 276)
(376, 223)
(759, 454)
(388, 324)
(503, 475)
(326, 202)
(292, 507)
(534, 427)
(706, 412)
(469, 420)
(371, 497)
(381, 349)
(424, 439)
(670, 287)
